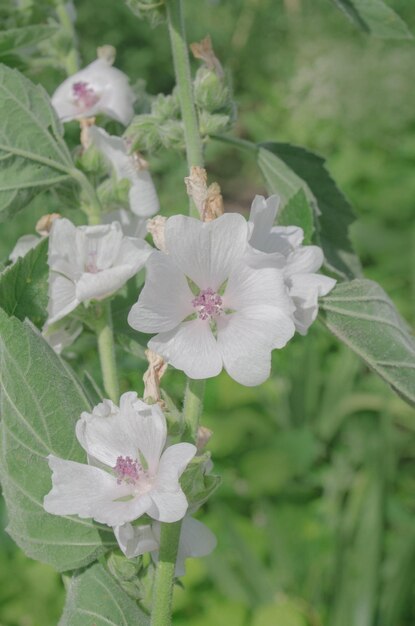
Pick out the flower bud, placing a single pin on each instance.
(213, 123)
(143, 134)
(166, 107)
(150, 10)
(172, 135)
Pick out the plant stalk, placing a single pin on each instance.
(193, 405)
(71, 59)
(177, 32)
(164, 578)
(106, 350)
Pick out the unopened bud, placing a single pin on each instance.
(156, 227)
(107, 53)
(202, 438)
(150, 10)
(165, 107)
(203, 50)
(44, 224)
(211, 92)
(213, 123)
(143, 133)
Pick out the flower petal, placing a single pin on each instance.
(261, 220)
(206, 252)
(90, 492)
(143, 195)
(62, 297)
(136, 540)
(102, 284)
(190, 347)
(245, 340)
(305, 290)
(134, 427)
(167, 506)
(303, 260)
(196, 540)
(165, 299)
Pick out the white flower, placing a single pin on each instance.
(142, 194)
(89, 262)
(128, 474)
(98, 88)
(196, 540)
(210, 308)
(23, 245)
(131, 225)
(284, 249)
(62, 335)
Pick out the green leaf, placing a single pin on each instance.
(298, 212)
(17, 38)
(95, 598)
(288, 169)
(361, 315)
(24, 286)
(33, 153)
(375, 17)
(40, 402)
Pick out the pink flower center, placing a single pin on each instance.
(127, 470)
(208, 304)
(91, 264)
(84, 95)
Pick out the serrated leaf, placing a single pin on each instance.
(33, 154)
(40, 402)
(288, 169)
(298, 212)
(375, 17)
(95, 598)
(361, 315)
(15, 39)
(24, 286)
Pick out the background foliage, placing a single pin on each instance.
(315, 516)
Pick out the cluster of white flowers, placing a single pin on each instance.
(218, 294)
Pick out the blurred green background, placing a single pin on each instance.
(314, 518)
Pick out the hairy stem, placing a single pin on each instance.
(164, 579)
(177, 32)
(192, 405)
(106, 350)
(71, 59)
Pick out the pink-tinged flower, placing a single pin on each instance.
(89, 263)
(142, 194)
(196, 540)
(209, 307)
(98, 88)
(283, 248)
(130, 472)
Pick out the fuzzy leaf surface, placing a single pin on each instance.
(95, 598)
(40, 402)
(33, 154)
(361, 315)
(24, 286)
(375, 17)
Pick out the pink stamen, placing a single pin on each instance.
(127, 470)
(208, 304)
(84, 96)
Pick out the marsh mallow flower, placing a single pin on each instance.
(282, 247)
(142, 194)
(209, 307)
(196, 540)
(98, 88)
(130, 471)
(89, 263)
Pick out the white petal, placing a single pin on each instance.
(23, 245)
(167, 506)
(62, 297)
(286, 238)
(66, 248)
(303, 260)
(133, 252)
(102, 244)
(190, 347)
(249, 286)
(165, 299)
(196, 540)
(102, 284)
(136, 540)
(246, 339)
(143, 195)
(114, 150)
(261, 218)
(132, 225)
(206, 252)
(173, 462)
(133, 428)
(90, 492)
(305, 290)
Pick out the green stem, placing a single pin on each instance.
(192, 405)
(71, 59)
(106, 350)
(164, 578)
(177, 32)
